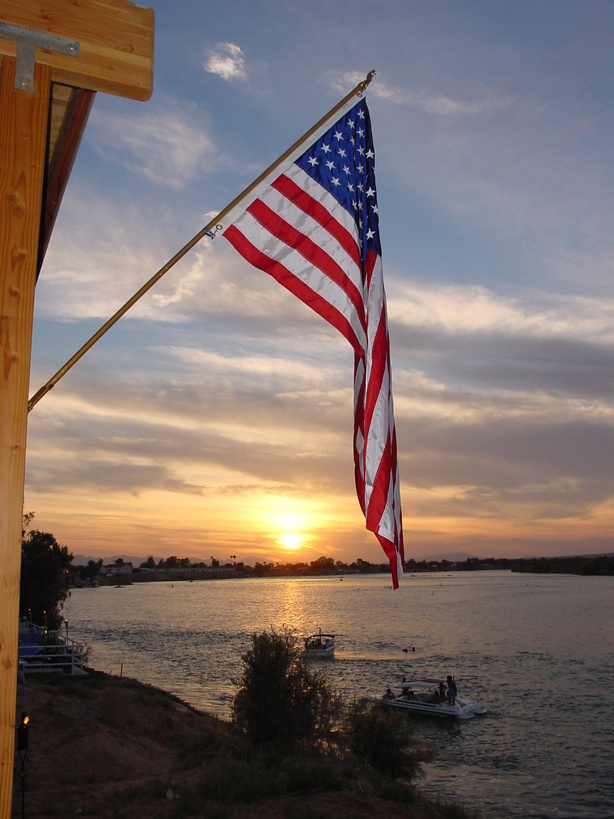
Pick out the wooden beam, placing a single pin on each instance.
(23, 131)
(115, 37)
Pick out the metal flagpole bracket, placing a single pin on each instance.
(27, 40)
(365, 83)
(211, 233)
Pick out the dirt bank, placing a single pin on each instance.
(110, 747)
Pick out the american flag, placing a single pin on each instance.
(315, 229)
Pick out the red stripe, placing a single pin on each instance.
(312, 252)
(379, 494)
(391, 554)
(359, 452)
(379, 350)
(288, 188)
(379, 357)
(292, 283)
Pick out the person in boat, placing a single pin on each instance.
(389, 695)
(442, 691)
(451, 689)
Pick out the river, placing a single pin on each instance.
(536, 650)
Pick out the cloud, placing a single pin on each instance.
(479, 310)
(106, 253)
(483, 345)
(485, 101)
(227, 61)
(199, 431)
(167, 144)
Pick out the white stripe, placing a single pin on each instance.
(376, 436)
(375, 304)
(386, 523)
(359, 441)
(293, 261)
(399, 564)
(308, 226)
(359, 377)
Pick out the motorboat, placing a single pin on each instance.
(319, 646)
(433, 696)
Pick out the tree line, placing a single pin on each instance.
(47, 572)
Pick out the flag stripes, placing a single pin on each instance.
(315, 230)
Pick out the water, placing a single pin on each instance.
(538, 651)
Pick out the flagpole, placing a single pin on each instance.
(358, 90)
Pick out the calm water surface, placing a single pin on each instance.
(538, 651)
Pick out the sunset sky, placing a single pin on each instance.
(216, 418)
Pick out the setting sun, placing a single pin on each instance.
(291, 540)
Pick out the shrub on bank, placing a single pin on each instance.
(280, 699)
(380, 737)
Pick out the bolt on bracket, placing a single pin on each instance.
(27, 40)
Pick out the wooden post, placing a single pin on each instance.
(23, 130)
(98, 45)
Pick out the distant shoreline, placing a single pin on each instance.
(119, 574)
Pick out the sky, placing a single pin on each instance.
(215, 419)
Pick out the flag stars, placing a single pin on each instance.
(343, 161)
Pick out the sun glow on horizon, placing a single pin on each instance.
(291, 541)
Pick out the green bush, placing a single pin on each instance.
(240, 782)
(380, 737)
(312, 775)
(280, 699)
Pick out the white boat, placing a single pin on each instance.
(319, 646)
(433, 696)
